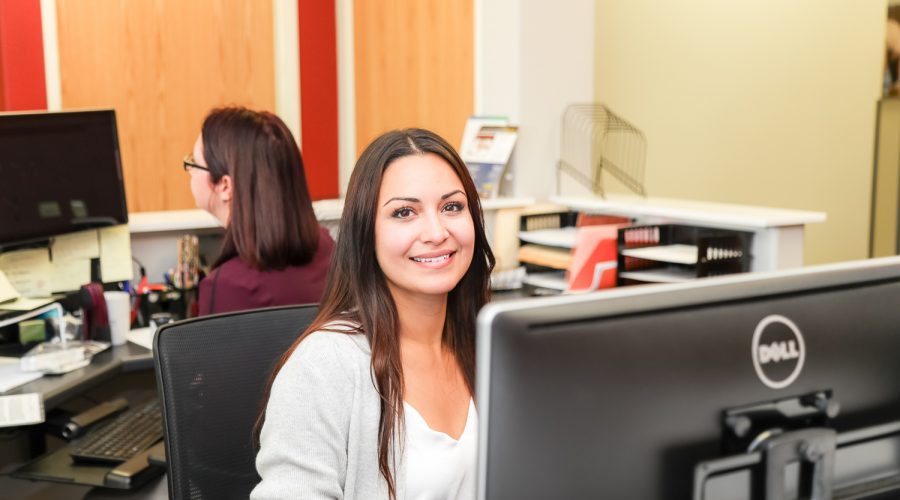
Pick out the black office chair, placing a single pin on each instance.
(212, 373)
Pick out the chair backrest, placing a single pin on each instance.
(212, 373)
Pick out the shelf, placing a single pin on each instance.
(673, 254)
(692, 212)
(171, 220)
(563, 237)
(659, 275)
(503, 202)
(197, 219)
(554, 280)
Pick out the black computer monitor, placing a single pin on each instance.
(59, 173)
(720, 388)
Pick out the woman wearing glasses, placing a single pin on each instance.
(246, 170)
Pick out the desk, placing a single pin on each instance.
(55, 390)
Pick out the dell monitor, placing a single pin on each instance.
(760, 386)
(59, 173)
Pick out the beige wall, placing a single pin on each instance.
(767, 103)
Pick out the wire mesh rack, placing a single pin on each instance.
(596, 140)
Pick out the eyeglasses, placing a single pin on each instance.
(188, 164)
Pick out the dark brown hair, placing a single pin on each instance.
(272, 223)
(357, 294)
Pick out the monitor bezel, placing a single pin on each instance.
(123, 218)
(647, 298)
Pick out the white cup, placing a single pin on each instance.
(118, 307)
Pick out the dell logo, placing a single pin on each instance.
(778, 351)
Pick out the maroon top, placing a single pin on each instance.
(234, 286)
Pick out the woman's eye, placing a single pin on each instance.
(454, 206)
(402, 213)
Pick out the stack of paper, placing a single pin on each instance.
(553, 257)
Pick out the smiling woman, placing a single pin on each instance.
(374, 400)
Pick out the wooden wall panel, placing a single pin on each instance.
(163, 64)
(414, 66)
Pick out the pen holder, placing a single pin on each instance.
(179, 303)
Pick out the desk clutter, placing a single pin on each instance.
(102, 304)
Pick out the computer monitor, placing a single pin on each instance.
(59, 173)
(734, 387)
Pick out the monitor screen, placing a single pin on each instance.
(633, 393)
(59, 173)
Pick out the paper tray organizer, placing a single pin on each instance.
(718, 252)
(581, 255)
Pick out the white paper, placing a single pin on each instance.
(491, 145)
(473, 126)
(26, 304)
(11, 376)
(142, 337)
(80, 245)
(115, 254)
(28, 271)
(69, 274)
(7, 291)
(21, 409)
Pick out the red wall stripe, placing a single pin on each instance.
(318, 96)
(22, 84)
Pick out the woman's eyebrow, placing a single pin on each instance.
(399, 198)
(416, 200)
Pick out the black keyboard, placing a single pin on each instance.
(121, 438)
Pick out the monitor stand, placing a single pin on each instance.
(814, 463)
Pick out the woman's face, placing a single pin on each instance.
(208, 196)
(424, 235)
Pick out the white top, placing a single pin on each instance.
(439, 467)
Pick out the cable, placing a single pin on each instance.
(141, 267)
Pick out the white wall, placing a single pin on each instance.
(532, 59)
(766, 102)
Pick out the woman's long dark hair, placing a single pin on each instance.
(355, 293)
(272, 223)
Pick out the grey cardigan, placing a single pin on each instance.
(320, 436)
